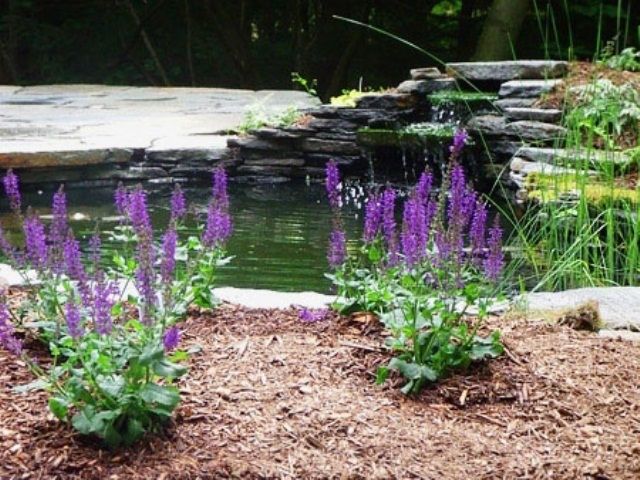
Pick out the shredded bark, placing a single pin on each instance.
(271, 397)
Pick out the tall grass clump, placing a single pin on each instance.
(583, 227)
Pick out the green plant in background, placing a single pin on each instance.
(601, 112)
(309, 86)
(452, 97)
(112, 332)
(348, 98)
(257, 117)
(423, 281)
(628, 59)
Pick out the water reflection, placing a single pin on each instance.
(280, 231)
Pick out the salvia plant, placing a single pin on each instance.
(424, 276)
(112, 331)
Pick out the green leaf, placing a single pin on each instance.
(408, 387)
(374, 254)
(38, 384)
(180, 355)
(165, 397)
(134, 431)
(165, 368)
(111, 385)
(82, 421)
(408, 370)
(428, 373)
(116, 310)
(486, 347)
(381, 375)
(151, 353)
(59, 406)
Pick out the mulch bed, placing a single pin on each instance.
(271, 397)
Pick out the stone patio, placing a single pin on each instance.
(64, 126)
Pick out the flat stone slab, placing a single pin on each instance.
(419, 87)
(509, 70)
(527, 88)
(71, 125)
(547, 115)
(425, 73)
(253, 298)
(560, 155)
(619, 306)
(498, 126)
(620, 335)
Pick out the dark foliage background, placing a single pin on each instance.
(258, 43)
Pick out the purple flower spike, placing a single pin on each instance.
(58, 230)
(414, 231)
(8, 339)
(138, 212)
(95, 243)
(372, 218)
(389, 223)
(121, 199)
(178, 203)
(145, 277)
(337, 253)
(59, 225)
(103, 301)
(459, 141)
(74, 268)
(220, 195)
(218, 227)
(424, 186)
(74, 321)
(169, 242)
(171, 339)
(477, 232)
(495, 258)
(6, 247)
(12, 190)
(35, 241)
(332, 184)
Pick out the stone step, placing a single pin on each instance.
(520, 169)
(505, 103)
(418, 87)
(318, 145)
(24, 159)
(560, 155)
(426, 73)
(527, 88)
(546, 115)
(276, 162)
(509, 70)
(384, 101)
(498, 126)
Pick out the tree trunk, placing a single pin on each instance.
(501, 29)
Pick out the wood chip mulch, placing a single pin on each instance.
(271, 397)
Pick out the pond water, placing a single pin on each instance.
(280, 231)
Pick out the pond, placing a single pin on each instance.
(280, 230)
